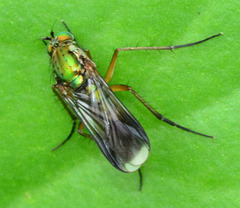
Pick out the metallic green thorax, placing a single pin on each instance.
(64, 59)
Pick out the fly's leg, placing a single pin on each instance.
(54, 87)
(80, 131)
(69, 136)
(44, 40)
(85, 50)
(111, 67)
(70, 32)
(140, 179)
(117, 88)
(88, 53)
(74, 118)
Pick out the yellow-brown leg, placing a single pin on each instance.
(88, 53)
(80, 131)
(111, 67)
(117, 88)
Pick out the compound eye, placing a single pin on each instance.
(62, 36)
(49, 48)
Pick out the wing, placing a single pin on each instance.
(118, 134)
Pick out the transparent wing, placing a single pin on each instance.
(117, 133)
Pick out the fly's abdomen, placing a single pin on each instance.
(66, 65)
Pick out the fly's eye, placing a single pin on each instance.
(49, 48)
(62, 36)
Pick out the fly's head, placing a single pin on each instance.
(56, 41)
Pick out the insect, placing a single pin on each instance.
(89, 99)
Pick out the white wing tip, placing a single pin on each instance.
(139, 158)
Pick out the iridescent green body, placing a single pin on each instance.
(117, 133)
(67, 66)
(88, 97)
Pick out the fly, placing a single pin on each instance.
(90, 100)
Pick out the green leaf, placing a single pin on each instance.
(197, 87)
